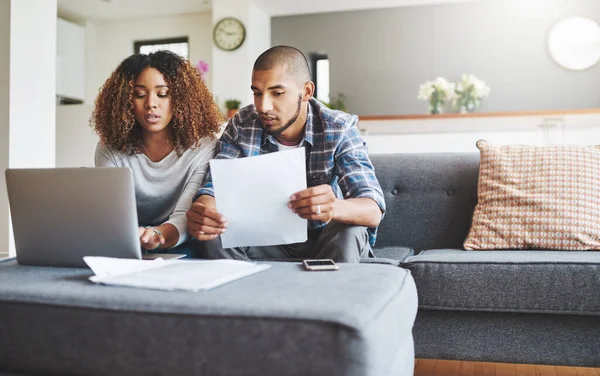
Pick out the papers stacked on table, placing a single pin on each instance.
(169, 275)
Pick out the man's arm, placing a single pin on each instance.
(364, 203)
(203, 220)
(320, 204)
(357, 211)
(227, 148)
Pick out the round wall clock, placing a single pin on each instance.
(229, 34)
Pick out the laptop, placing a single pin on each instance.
(61, 215)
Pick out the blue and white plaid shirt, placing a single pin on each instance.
(335, 153)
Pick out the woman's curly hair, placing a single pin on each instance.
(195, 114)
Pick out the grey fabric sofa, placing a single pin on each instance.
(539, 307)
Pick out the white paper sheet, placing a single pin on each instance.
(169, 275)
(253, 193)
(109, 266)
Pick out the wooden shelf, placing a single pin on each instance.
(483, 114)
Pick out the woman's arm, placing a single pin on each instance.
(148, 238)
(166, 236)
(178, 218)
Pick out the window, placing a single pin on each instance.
(180, 46)
(60, 100)
(320, 73)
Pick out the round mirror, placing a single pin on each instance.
(574, 43)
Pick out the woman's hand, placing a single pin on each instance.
(150, 239)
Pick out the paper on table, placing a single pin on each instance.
(169, 275)
(253, 193)
(109, 266)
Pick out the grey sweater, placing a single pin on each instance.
(163, 190)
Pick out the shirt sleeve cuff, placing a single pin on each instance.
(181, 226)
(366, 192)
(204, 191)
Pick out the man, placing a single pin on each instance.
(344, 202)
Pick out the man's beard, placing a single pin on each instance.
(280, 130)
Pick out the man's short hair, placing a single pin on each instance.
(278, 56)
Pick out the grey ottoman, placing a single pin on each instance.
(283, 321)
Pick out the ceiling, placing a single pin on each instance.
(113, 10)
(293, 7)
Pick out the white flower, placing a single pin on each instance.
(472, 87)
(469, 92)
(425, 91)
(441, 88)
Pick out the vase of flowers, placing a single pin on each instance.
(469, 92)
(437, 93)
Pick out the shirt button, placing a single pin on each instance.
(394, 192)
(450, 192)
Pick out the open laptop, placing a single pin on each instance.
(60, 215)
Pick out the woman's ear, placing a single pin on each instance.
(309, 90)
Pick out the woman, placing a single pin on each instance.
(156, 116)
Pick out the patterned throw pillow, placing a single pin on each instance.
(537, 197)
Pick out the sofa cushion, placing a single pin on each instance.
(429, 198)
(508, 281)
(537, 197)
(393, 253)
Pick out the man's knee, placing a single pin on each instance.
(344, 243)
(213, 250)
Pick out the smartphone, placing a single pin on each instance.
(325, 264)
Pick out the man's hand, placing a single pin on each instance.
(315, 203)
(204, 222)
(149, 239)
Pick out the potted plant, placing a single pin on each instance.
(336, 102)
(232, 105)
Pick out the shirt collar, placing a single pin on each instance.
(308, 127)
(310, 118)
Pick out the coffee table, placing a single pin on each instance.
(284, 321)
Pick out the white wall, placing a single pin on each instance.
(32, 83)
(70, 60)
(75, 139)
(91, 63)
(27, 92)
(261, 26)
(4, 120)
(113, 42)
(232, 76)
(378, 58)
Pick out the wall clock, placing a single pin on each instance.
(229, 34)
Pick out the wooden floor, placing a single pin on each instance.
(427, 367)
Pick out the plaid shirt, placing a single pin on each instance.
(335, 153)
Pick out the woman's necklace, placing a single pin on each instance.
(162, 157)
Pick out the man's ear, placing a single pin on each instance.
(308, 91)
